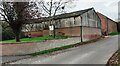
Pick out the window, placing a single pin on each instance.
(77, 21)
(57, 23)
(43, 24)
(84, 20)
(62, 22)
(70, 21)
(46, 25)
(98, 24)
(74, 22)
(67, 22)
(39, 27)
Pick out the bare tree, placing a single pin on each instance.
(52, 7)
(15, 14)
(4, 25)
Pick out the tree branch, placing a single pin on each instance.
(51, 5)
(4, 17)
(57, 8)
(3, 11)
(45, 8)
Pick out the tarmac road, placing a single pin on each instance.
(96, 53)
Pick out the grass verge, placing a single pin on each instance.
(36, 39)
(114, 33)
(62, 48)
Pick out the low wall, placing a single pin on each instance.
(18, 48)
(28, 48)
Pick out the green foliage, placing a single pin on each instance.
(114, 33)
(36, 39)
(7, 35)
(52, 50)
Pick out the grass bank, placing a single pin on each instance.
(36, 39)
(114, 33)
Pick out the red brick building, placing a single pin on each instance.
(107, 24)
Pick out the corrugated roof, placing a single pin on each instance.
(72, 14)
(61, 16)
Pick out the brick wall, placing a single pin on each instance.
(88, 32)
(34, 34)
(68, 31)
(112, 26)
(105, 21)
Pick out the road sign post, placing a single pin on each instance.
(52, 28)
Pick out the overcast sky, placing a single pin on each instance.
(106, 7)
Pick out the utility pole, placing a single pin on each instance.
(81, 30)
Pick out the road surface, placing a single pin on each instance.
(94, 53)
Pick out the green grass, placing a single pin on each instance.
(36, 39)
(114, 33)
(55, 49)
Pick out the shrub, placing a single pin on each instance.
(7, 35)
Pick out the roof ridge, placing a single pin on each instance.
(78, 11)
(107, 17)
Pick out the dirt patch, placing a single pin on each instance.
(114, 60)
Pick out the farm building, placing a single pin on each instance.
(85, 23)
(108, 25)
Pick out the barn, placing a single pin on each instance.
(108, 25)
(84, 23)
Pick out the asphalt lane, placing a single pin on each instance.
(95, 53)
